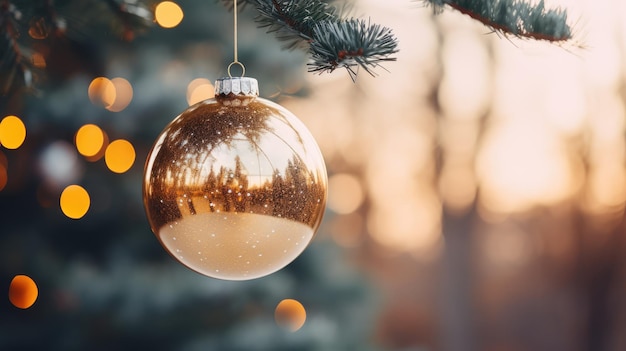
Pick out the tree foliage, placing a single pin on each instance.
(332, 39)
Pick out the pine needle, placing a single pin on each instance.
(514, 17)
(332, 42)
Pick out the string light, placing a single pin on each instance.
(123, 94)
(290, 314)
(75, 201)
(119, 156)
(23, 291)
(168, 14)
(102, 92)
(198, 90)
(12, 132)
(89, 140)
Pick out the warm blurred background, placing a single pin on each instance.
(477, 190)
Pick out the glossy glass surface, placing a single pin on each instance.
(235, 189)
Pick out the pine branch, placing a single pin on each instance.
(22, 23)
(294, 21)
(15, 68)
(132, 15)
(514, 17)
(332, 42)
(350, 43)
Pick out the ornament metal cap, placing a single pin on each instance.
(236, 90)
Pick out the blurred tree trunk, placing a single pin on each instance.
(597, 274)
(458, 331)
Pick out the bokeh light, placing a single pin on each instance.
(102, 92)
(89, 140)
(75, 201)
(412, 225)
(119, 156)
(12, 132)
(290, 314)
(198, 90)
(123, 94)
(522, 165)
(23, 291)
(59, 164)
(345, 193)
(168, 14)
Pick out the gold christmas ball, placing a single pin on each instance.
(235, 186)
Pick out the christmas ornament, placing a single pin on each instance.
(235, 187)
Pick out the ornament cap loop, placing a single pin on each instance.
(243, 68)
(236, 90)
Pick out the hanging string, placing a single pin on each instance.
(235, 29)
(235, 56)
